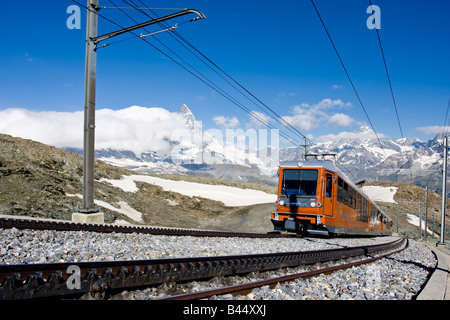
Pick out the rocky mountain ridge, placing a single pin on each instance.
(360, 154)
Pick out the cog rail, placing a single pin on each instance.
(248, 287)
(63, 280)
(61, 225)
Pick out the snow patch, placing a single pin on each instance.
(414, 220)
(125, 208)
(378, 193)
(229, 196)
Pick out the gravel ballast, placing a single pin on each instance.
(399, 276)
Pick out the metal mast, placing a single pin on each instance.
(89, 109)
(444, 191)
(89, 99)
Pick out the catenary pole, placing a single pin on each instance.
(90, 83)
(444, 191)
(426, 212)
(89, 109)
(420, 220)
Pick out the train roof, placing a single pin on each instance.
(329, 165)
(326, 164)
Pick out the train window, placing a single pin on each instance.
(340, 191)
(366, 210)
(345, 196)
(329, 187)
(353, 198)
(362, 207)
(299, 182)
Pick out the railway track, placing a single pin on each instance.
(99, 279)
(243, 289)
(60, 225)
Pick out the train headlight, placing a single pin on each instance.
(318, 204)
(281, 203)
(313, 204)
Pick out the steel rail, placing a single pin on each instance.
(28, 281)
(61, 225)
(248, 287)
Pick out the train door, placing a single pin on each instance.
(328, 203)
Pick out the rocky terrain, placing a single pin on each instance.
(43, 181)
(407, 199)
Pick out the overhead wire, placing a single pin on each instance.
(446, 125)
(390, 86)
(348, 77)
(387, 74)
(345, 70)
(214, 85)
(443, 134)
(182, 40)
(206, 80)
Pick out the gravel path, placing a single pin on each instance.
(397, 277)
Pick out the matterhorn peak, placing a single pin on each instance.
(364, 129)
(186, 113)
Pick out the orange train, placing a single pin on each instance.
(315, 197)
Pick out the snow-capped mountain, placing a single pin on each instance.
(364, 157)
(215, 153)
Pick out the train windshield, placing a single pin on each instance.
(301, 182)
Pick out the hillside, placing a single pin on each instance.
(42, 181)
(406, 202)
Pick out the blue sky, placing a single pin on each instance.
(278, 50)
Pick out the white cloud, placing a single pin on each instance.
(308, 117)
(226, 122)
(258, 120)
(433, 129)
(290, 94)
(336, 86)
(50, 127)
(363, 133)
(303, 120)
(135, 128)
(332, 104)
(27, 56)
(340, 120)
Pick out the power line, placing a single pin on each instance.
(388, 77)
(212, 84)
(198, 76)
(390, 86)
(345, 70)
(349, 78)
(276, 116)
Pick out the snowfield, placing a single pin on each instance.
(124, 208)
(229, 196)
(414, 220)
(377, 193)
